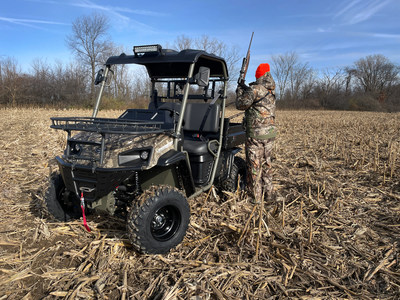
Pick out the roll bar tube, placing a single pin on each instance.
(103, 83)
(183, 107)
(217, 156)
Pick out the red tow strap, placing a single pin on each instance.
(83, 212)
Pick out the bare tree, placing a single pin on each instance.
(294, 79)
(183, 42)
(122, 82)
(141, 84)
(11, 77)
(88, 42)
(2, 89)
(68, 84)
(376, 75)
(214, 46)
(41, 78)
(283, 64)
(301, 81)
(56, 84)
(332, 82)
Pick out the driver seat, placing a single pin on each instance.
(201, 127)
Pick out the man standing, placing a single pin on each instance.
(258, 101)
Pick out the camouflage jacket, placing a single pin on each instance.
(258, 101)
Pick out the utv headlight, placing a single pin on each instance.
(75, 149)
(135, 157)
(144, 155)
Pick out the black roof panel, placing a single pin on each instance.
(170, 63)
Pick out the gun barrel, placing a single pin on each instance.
(251, 39)
(245, 64)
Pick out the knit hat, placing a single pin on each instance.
(261, 70)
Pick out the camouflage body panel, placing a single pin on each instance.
(258, 101)
(259, 172)
(116, 144)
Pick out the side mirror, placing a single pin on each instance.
(99, 77)
(202, 77)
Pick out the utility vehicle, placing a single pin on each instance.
(145, 164)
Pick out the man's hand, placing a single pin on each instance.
(242, 86)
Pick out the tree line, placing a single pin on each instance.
(371, 83)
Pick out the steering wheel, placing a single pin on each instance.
(172, 111)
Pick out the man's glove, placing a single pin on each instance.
(243, 86)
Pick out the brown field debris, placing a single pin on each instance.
(333, 232)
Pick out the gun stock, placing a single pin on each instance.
(245, 64)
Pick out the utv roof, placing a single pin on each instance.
(170, 63)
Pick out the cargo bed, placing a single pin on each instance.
(234, 134)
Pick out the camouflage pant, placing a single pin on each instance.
(259, 172)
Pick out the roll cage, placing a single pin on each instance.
(181, 69)
(175, 69)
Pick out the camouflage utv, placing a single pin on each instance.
(145, 164)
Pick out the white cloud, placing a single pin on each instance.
(108, 9)
(347, 8)
(30, 22)
(358, 11)
(140, 12)
(114, 12)
(368, 11)
(386, 35)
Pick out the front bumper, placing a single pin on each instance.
(95, 183)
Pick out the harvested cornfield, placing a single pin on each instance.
(332, 233)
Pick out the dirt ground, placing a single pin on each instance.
(332, 233)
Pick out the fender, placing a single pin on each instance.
(179, 162)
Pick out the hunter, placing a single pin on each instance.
(258, 101)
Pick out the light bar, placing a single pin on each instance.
(147, 49)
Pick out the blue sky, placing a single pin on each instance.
(326, 34)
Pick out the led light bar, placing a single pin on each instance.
(147, 49)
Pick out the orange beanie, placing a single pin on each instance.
(261, 70)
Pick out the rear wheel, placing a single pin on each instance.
(158, 221)
(61, 204)
(237, 176)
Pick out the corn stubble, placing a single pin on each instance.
(332, 232)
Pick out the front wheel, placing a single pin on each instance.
(61, 204)
(158, 221)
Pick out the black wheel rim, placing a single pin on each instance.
(60, 197)
(68, 201)
(165, 223)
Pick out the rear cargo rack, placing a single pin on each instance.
(103, 125)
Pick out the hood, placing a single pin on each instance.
(116, 144)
